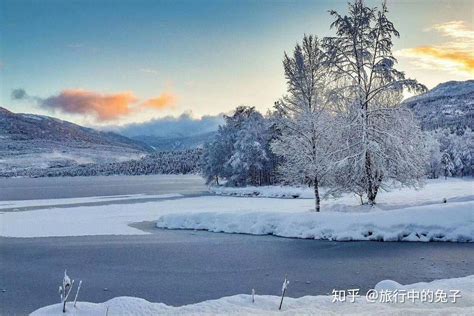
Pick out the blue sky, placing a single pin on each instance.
(204, 57)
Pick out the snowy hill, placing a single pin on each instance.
(176, 143)
(448, 105)
(36, 141)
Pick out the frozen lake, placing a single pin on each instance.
(71, 187)
(182, 267)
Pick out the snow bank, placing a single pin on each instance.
(268, 305)
(265, 191)
(114, 219)
(438, 222)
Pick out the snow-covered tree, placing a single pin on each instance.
(251, 160)
(395, 145)
(381, 139)
(304, 119)
(434, 156)
(447, 164)
(241, 152)
(458, 144)
(215, 155)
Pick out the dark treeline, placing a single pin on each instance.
(173, 162)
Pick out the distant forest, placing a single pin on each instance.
(173, 162)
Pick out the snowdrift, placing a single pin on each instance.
(273, 191)
(308, 305)
(437, 222)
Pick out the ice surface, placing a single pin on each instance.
(72, 201)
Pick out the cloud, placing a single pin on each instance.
(22, 95)
(165, 100)
(19, 94)
(103, 107)
(455, 55)
(183, 125)
(454, 29)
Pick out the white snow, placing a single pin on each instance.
(453, 189)
(400, 214)
(264, 191)
(114, 219)
(72, 201)
(441, 222)
(308, 305)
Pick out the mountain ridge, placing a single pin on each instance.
(38, 141)
(176, 143)
(23, 126)
(448, 105)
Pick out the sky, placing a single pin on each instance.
(109, 63)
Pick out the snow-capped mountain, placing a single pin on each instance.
(28, 127)
(28, 141)
(448, 105)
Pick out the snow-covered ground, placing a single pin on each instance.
(437, 222)
(264, 191)
(114, 219)
(453, 189)
(400, 215)
(420, 299)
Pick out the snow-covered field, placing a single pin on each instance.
(404, 214)
(453, 189)
(114, 219)
(437, 222)
(274, 191)
(308, 305)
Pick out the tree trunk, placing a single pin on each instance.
(370, 183)
(373, 190)
(371, 197)
(317, 199)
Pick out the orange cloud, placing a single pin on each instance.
(445, 58)
(456, 54)
(104, 107)
(164, 101)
